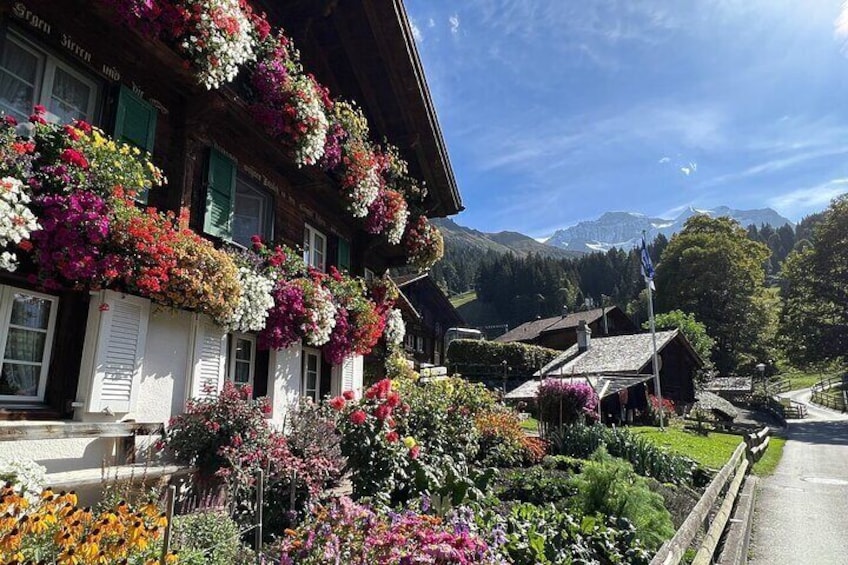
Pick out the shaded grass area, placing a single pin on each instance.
(768, 463)
(803, 379)
(712, 450)
(463, 299)
(475, 311)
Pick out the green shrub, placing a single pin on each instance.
(206, 537)
(544, 535)
(522, 359)
(610, 487)
(563, 463)
(536, 485)
(647, 459)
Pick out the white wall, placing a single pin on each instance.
(59, 455)
(162, 389)
(284, 380)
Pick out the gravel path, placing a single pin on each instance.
(801, 515)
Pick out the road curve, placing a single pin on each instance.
(801, 514)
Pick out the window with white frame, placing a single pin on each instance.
(242, 358)
(369, 275)
(311, 374)
(314, 248)
(30, 75)
(253, 213)
(27, 323)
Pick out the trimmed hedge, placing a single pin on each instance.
(524, 360)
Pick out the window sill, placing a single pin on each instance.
(28, 412)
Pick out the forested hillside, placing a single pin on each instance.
(522, 286)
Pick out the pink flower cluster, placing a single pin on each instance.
(70, 247)
(346, 532)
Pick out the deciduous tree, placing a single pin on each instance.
(714, 271)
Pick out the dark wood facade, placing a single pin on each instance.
(429, 319)
(362, 50)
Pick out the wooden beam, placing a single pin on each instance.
(65, 430)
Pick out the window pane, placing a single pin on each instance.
(318, 253)
(30, 312)
(19, 380)
(250, 213)
(312, 363)
(70, 97)
(242, 375)
(24, 345)
(243, 349)
(18, 72)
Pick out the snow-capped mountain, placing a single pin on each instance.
(624, 229)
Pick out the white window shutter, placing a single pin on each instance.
(347, 374)
(210, 358)
(119, 352)
(356, 374)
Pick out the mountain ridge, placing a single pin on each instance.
(624, 229)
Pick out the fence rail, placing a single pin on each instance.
(728, 483)
(831, 393)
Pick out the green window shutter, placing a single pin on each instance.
(135, 123)
(344, 255)
(220, 195)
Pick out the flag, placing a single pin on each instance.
(647, 266)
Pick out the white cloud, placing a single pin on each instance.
(416, 32)
(664, 160)
(689, 169)
(841, 24)
(431, 23)
(454, 23)
(811, 198)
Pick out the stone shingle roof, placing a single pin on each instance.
(608, 385)
(529, 331)
(730, 384)
(617, 354)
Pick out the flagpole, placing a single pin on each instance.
(654, 340)
(655, 363)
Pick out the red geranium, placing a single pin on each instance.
(337, 403)
(358, 417)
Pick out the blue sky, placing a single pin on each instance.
(555, 111)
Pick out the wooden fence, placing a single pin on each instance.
(831, 393)
(727, 483)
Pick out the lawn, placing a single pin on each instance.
(802, 379)
(713, 450)
(766, 466)
(463, 299)
(530, 424)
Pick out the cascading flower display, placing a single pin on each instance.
(17, 221)
(283, 325)
(216, 37)
(70, 248)
(395, 328)
(388, 214)
(320, 312)
(424, 243)
(256, 300)
(291, 105)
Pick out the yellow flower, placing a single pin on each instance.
(409, 442)
(69, 557)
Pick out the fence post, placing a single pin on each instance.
(169, 514)
(260, 500)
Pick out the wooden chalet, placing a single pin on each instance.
(620, 369)
(77, 60)
(428, 318)
(560, 332)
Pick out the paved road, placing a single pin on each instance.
(801, 515)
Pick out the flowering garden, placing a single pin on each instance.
(440, 472)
